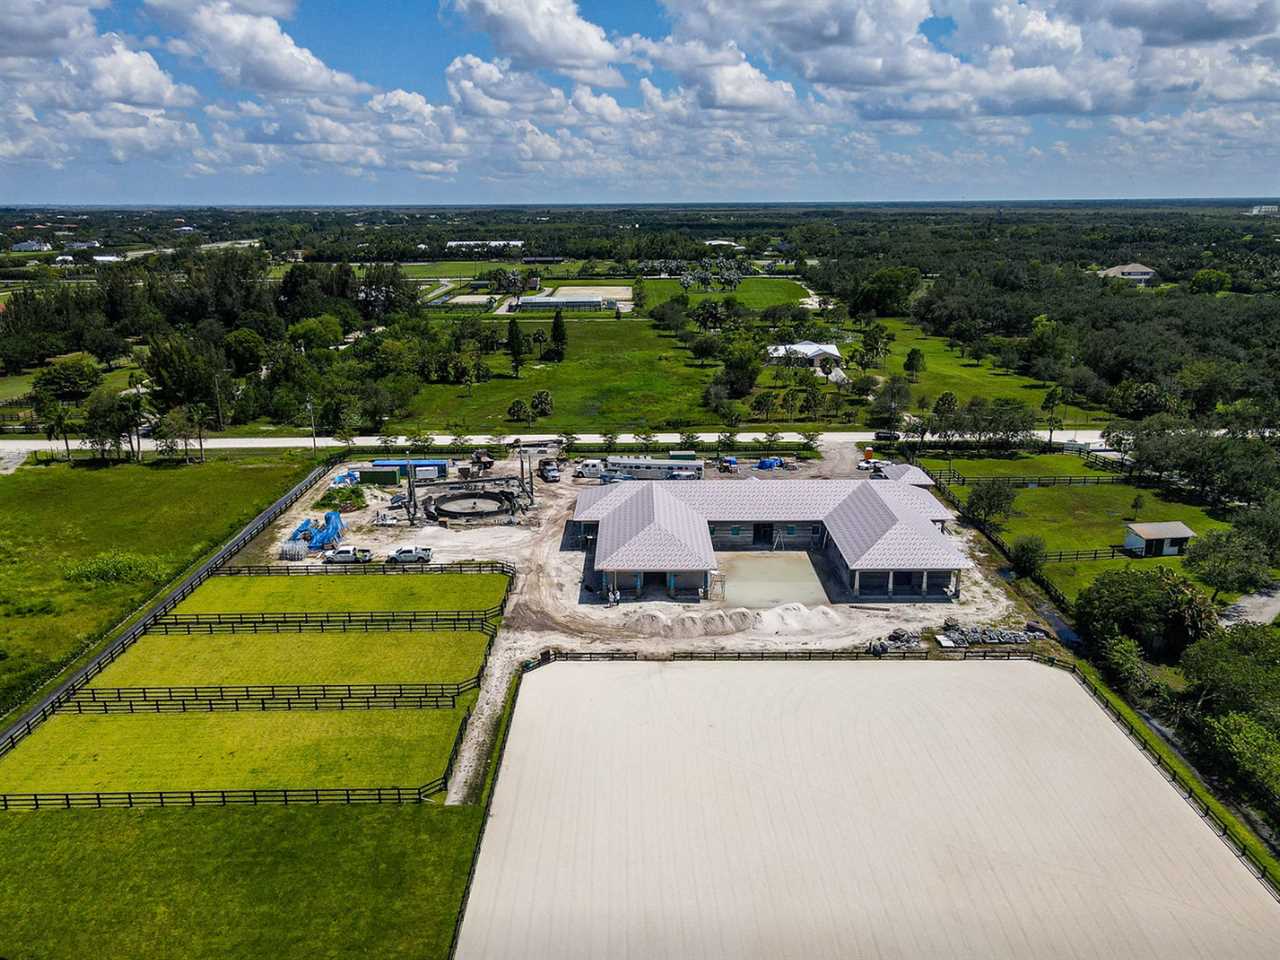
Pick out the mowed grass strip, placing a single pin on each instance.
(71, 753)
(1017, 465)
(234, 883)
(338, 593)
(263, 658)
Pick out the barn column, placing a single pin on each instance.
(924, 584)
(891, 583)
(857, 583)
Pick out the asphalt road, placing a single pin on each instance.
(29, 444)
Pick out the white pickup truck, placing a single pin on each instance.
(348, 555)
(410, 555)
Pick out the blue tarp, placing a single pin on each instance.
(302, 528)
(330, 533)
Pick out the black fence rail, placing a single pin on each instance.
(218, 798)
(818, 655)
(49, 704)
(332, 622)
(962, 480)
(273, 691)
(1099, 553)
(261, 704)
(365, 569)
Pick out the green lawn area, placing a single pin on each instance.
(117, 378)
(1017, 465)
(324, 748)
(1083, 517)
(342, 592)
(947, 371)
(617, 375)
(237, 658)
(15, 385)
(756, 293)
(52, 515)
(234, 883)
(1073, 577)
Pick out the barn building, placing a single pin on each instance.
(885, 538)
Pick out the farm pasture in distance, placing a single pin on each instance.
(918, 809)
(947, 371)
(618, 374)
(755, 293)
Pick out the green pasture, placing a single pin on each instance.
(947, 371)
(74, 753)
(347, 592)
(755, 293)
(53, 515)
(617, 375)
(245, 658)
(237, 883)
(1016, 464)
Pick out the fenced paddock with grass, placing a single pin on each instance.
(844, 809)
(232, 750)
(332, 594)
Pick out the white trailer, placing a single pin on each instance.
(647, 468)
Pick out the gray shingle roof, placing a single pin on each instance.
(907, 473)
(662, 525)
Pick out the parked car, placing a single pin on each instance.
(410, 555)
(549, 471)
(590, 469)
(889, 435)
(348, 555)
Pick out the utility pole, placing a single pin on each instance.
(311, 410)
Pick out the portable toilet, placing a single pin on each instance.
(868, 455)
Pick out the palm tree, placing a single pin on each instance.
(201, 416)
(58, 424)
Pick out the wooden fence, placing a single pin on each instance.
(326, 622)
(288, 704)
(958, 479)
(307, 796)
(365, 569)
(65, 691)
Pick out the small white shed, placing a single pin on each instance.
(1167, 539)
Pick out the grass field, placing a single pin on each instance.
(54, 515)
(234, 883)
(1080, 517)
(1016, 465)
(948, 371)
(618, 375)
(325, 748)
(417, 657)
(436, 591)
(756, 293)
(117, 378)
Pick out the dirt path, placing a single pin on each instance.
(1261, 607)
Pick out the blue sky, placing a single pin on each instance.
(532, 101)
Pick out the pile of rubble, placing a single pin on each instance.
(952, 635)
(899, 639)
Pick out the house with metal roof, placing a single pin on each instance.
(1166, 539)
(806, 351)
(1138, 274)
(886, 539)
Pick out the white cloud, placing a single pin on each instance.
(546, 33)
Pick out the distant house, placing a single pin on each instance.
(83, 245)
(723, 243)
(1167, 539)
(1265, 210)
(31, 246)
(564, 303)
(1136, 273)
(806, 351)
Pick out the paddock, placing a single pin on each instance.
(847, 809)
(769, 578)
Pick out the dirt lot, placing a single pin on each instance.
(547, 608)
(874, 810)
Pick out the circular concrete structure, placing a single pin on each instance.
(472, 506)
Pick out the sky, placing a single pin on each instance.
(616, 101)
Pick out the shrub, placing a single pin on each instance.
(118, 566)
(342, 499)
(1027, 555)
